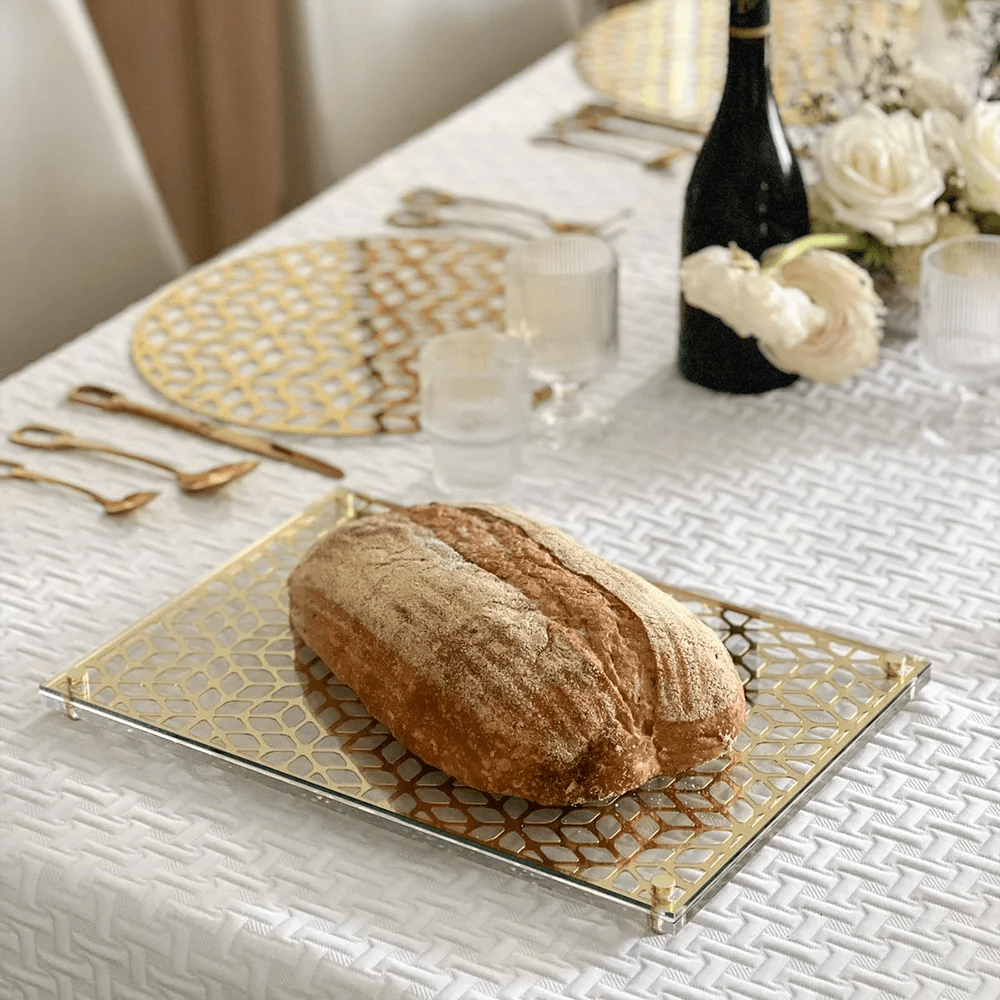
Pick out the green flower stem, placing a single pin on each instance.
(777, 257)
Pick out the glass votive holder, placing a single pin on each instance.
(475, 403)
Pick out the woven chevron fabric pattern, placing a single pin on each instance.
(130, 870)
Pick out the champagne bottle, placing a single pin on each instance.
(745, 188)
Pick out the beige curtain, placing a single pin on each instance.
(202, 81)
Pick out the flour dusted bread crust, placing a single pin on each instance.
(512, 658)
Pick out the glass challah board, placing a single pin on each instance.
(218, 669)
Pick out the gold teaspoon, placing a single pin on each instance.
(14, 470)
(411, 218)
(423, 199)
(54, 439)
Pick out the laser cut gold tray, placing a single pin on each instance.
(218, 669)
(316, 338)
(667, 58)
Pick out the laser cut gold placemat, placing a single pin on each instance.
(317, 338)
(667, 58)
(218, 669)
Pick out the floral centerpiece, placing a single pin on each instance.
(902, 154)
(910, 153)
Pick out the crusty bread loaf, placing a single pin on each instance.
(512, 658)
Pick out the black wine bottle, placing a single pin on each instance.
(745, 188)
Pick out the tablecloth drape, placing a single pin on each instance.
(128, 870)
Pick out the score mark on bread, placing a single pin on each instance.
(502, 652)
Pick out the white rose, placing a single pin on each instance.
(727, 282)
(876, 174)
(978, 142)
(848, 339)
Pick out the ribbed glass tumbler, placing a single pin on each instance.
(959, 333)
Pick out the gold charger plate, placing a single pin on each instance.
(218, 669)
(316, 338)
(667, 58)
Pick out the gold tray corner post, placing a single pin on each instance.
(75, 687)
(219, 670)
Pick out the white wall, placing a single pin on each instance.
(368, 74)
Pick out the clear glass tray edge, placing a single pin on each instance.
(658, 920)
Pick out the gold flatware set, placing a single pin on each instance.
(599, 128)
(420, 208)
(43, 437)
(656, 143)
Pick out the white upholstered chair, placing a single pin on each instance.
(83, 231)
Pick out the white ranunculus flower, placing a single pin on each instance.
(978, 141)
(877, 175)
(849, 337)
(727, 282)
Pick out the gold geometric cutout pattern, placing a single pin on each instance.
(317, 338)
(219, 668)
(666, 59)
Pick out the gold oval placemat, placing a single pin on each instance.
(667, 58)
(317, 338)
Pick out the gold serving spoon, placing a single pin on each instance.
(54, 439)
(14, 470)
(430, 198)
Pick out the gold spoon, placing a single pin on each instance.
(54, 439)
(14, 470)
(412, 218)
(430, 198)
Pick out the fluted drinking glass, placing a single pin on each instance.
(562, 300)
(959, 335)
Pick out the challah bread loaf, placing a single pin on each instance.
(512, 658)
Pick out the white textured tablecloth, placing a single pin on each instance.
(130, 871)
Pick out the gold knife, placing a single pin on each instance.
(115, 402)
